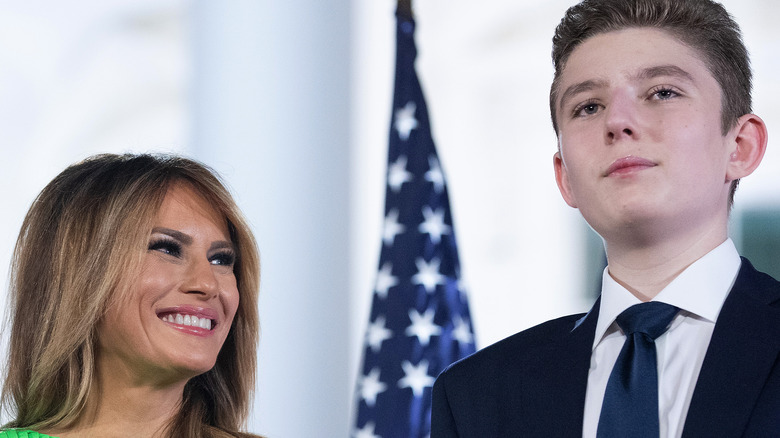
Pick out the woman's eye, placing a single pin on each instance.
(166, 247)
(223, 259)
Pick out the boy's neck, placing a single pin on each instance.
(647, 269)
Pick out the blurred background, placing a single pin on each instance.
(290, 103)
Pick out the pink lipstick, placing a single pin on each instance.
(198, 321)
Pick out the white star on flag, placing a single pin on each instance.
(397, 174)
(462, 287)
(405, 121)
(367, 431)
(378, 333)
(385, 280)
(435, 175)
(461, 332)
(371, 386)
(416, 377)
(422, 326)
(434, 224)
(428, 274)
(391, 227)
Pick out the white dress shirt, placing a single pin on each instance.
(699, 291)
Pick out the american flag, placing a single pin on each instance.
(419, 320)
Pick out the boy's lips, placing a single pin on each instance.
(627, 165)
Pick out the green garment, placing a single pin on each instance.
(21, 433)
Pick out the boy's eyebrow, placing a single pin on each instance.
(580, 87)
(645, 73)
(664, 70)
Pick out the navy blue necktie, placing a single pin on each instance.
(630, 406)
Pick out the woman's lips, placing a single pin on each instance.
(627, 165)
(200, 312)
(191, 319)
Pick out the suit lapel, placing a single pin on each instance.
(744, 347)
(559, 396)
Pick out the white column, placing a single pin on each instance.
(271, 95)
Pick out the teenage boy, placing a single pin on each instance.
(651, 105)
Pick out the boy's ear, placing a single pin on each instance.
(747, 147)
(562, 178)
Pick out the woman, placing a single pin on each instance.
(134, 304)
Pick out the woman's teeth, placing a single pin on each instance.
(189, 320)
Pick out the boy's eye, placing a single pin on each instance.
(590, 108)
(165, 246)
(586, 109)
(664, 93)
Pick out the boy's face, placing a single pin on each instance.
(640, 143)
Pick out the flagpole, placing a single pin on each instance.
(405, 8)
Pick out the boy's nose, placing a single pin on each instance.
(621, 118)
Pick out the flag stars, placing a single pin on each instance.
(422, 326)
(435, 174)
(462, 288)
(416, 377)
(405, 121)
(434, 224)
(428, 274)
(371, 387)
(391, 227)
(462, 332)
(397, 174)
(385, 280)
(377, 333)
(413, 332)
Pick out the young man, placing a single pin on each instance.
(651, 105)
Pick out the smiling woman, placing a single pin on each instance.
(134, 302)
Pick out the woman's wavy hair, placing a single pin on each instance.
(83, 238)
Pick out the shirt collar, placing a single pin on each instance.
(700, 289)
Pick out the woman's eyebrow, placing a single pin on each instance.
(223, 244)
(178, 235)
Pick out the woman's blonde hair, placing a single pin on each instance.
(82, 240)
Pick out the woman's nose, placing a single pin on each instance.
(201, 279)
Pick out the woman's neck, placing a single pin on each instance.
(119, 406)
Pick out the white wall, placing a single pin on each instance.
(290, 101)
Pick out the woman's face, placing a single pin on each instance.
(181, 306)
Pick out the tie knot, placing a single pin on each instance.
(650, 318)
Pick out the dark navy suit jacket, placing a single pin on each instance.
(533, 384)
